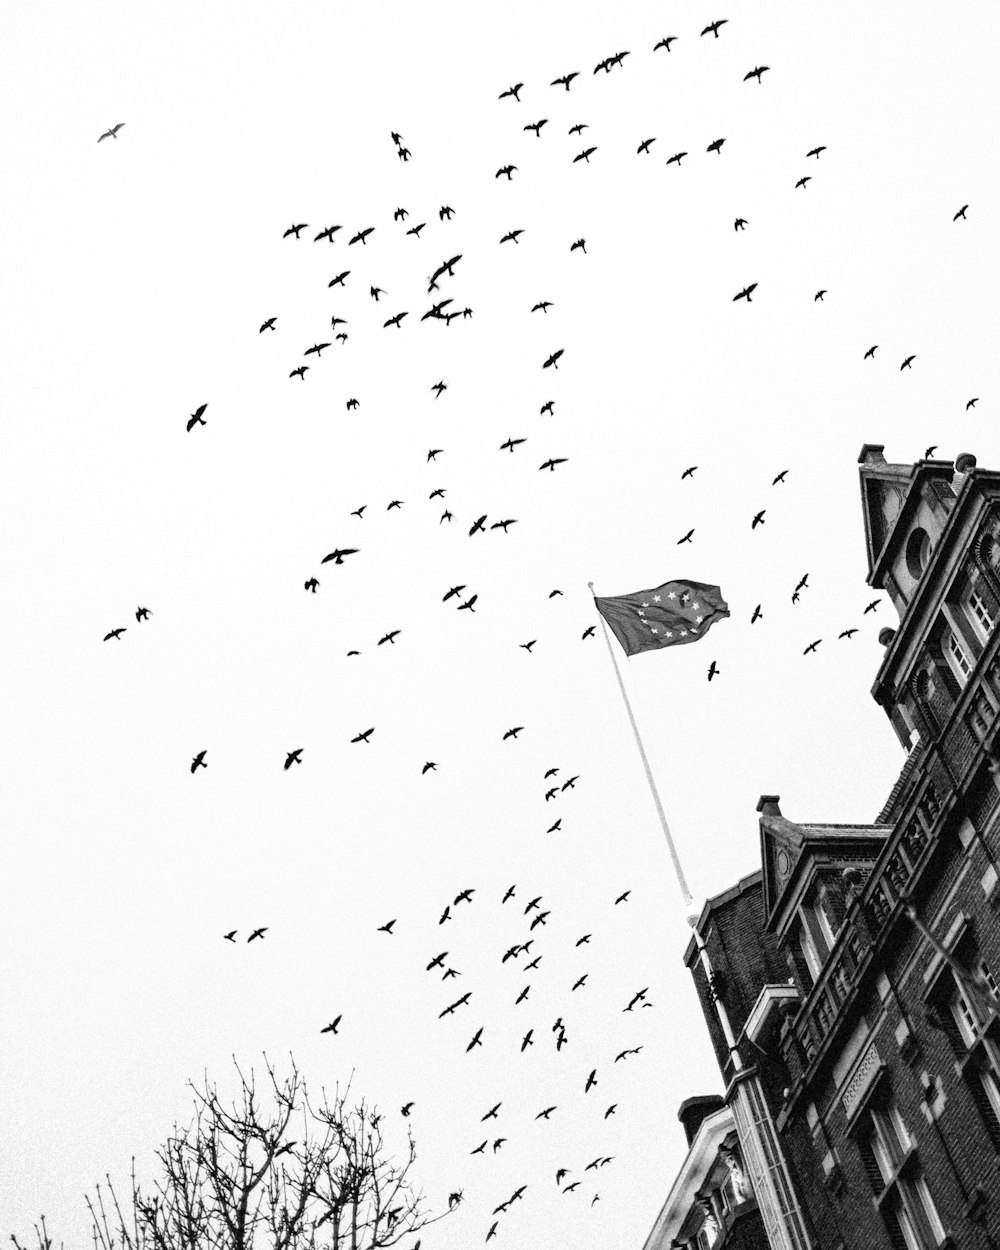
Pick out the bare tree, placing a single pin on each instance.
(270, 1171)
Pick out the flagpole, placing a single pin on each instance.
(681, 881)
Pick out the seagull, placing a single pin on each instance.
(512, 91)
(591, 1080)
(972, 403)
(396, 321)
(802, 181)
(268, 325)
(581, 244)
(511, 234)
(553, 593)
(446, 915)
(476, 1040)
(746, 293)
(870, 352)
(479, 1149)
(328, 233)
(199, 761)
(428, 766)
(610, 1110)
(257, 933)
(960, 213)
(713, 27)
(479, 524)
(758, 519)
(740, 223)
(445, 211)
(364, 737)
(819, 295)
(362, 235)
(569, 1188)
(580, 980)
(623, 898)
(544, 1115)
(453, 591)
(390, 637)
(756, 73)
(872, 607)
(339, 279)
(686, 538)
(300, 372)
(756, 614)
(112, 133)
(553, 359)
(230, 936)
(713, 671)
(506, 169)
(585, 155)
(295, 230)
(512, 733)
(197, 418)
(293, 757)
(779, 478)
(116, 633)
(526, 1041)
(664, 43)
(930, 451)
(716, 146)
(415, 230)
(816, 151)
(587, 633)
(536, 127)
(812, 646)
(676, 158)
(847, 633)
(546, 408)
(569, 785)
(439, 387)
(907, 363)
(803, 581)
(551, 463)
(644, 146)
(468, 603)
(337, 556)
(357, 512)
(544, 305)
(688, 472)
(332, 1027)
(316, 347)
(565, 80)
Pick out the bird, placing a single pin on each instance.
(295, 230)
(502, 525)
(446, 915)
(746, 293)
(526, 1041)
(491, 1114)
(464, 897)
(676, 158)
(396, 321)
(587, 633)
(511, 234)
(740, 223)
(664, 43)
(293, 757)
(584, 940)
(452, 592)
(816, 151)
(756, 73)
(492, 1230)
(716, 146)
(802, 181)
(907, 363)
(230, 936)
(688, 472)
(795, 596)
(553, 360)
(972, 403)
(479, 1149)
(512, 91)
(387, 928)
(506, 169)
(357, 512)
(570, 784)
(434, 452)
(569, 1188)
(115, 633)
(544, 305)
(337, 556)
(362, 235)
(552, 462)
(339, 279)
(428, 767)
(112, 133)
(960, 213)
(454, 1199)
(580, 244)
(779, 478)
(812, 646)
(332, 1027)
(585, 155)
(819, 295)
(610, 1110)
(511, 443)
(713, 27)
(644, 146)
(389, 637)
(199, 761)
(537, 127)
(591, 1080)
(478, 524)
(316, 348)
(268, 325)
(565, 80)
(930, 451)
(468, 603)
(415, 230)
(580, 981)
(300, 372)
(872, 607)
(406, 1109)
(257, 933)
(553, 593)
(624, 1054)
(578, 129)
(512, 733)
(623, 898)
(758, 519)
(686, 538)
(364, 737)
(847, 633)
(197, 417)
(870, 352)
(546, 408)
(544, 1115)
(439, 387)
(802, 582)
(756, 614)
(328, 233)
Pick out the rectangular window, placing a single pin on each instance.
(887, 1149)
(979, 613)
(960, 662)
(809, 952)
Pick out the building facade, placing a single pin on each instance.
(850, 987)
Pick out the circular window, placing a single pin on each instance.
(918, 550)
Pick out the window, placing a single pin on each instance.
(979, 614)
(973, 1034)
(902, 1195)
(958, 658)
(918, 550)
(809, 953)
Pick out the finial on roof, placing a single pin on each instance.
(767, 805)
(871, 453)
(965, 462)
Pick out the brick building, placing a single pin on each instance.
(849, 986)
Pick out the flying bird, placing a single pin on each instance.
(664, 43)
(847, 633)
(779, 478)
(339, 279)
(332, 1027)
(268, 325)
(115, 633)
(565, 80)
(688, 472)
(257, 933)
(295, 230)
(439, 387)
(972, 403)
(870, 352)
(365, 736)
(362, 235)
(337, 556)
(197, 417)
(812, 646)
(585, 155)
(713, 27)
(686, 538)
(199, 761)
(802, 181)
(526, 1040)
(756, 614)
(546, 408)
(758, 519)
(623, 898)
(428, 767)
(960, 213)
(930, 451)
(581, 244)
(230, 936)
(300, 372)
(415, 230)
(713, 670)
(445, 211)
(591, 1080)
(819, 295)
(396, 321)
(506, 169)
(544, 1115)
(587, 633)
(478, 524)
(112, 133)
(644, 146)
(676, 158)
(511, 234)
(317, 348)
(756, 73)
(740, 223)
(512, 91)
(715, 146)
(907, 363)
(389, 637)
(453, 591)
(872, 607)
(537, 127)
(476, 1041)
(746, 293)
(468, 603)
(293, 757)
(328, 233)
(551, 463)
(816, 151)
(511, 443)
(553, 359)
(512, 733)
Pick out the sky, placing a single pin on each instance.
(137, 272)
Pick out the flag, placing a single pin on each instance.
(673, 613)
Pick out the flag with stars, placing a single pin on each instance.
(673, 613)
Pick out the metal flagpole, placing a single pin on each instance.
(681, 881)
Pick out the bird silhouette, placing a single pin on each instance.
(477, 1039)
(537, 127)
(526, 1040)
(544, 1115)
(478, 525)
(664, 43)
(230, 936)
(492, 1230)
(300, 372)
(468, 604)
(715, 146)
(713, 27)
(758, 519)
(199, 761)
(587, 633)
(479, 1149)
(293, 757)
(816, 151)
(512, 733)
(317, 349)
(295, 230)
(591, 1081)
(502, 525)
(439, 387)
(387, 927)
(511, 235)
(396, 320)
(676, 158)
(713, 670)
(746, 293)
(337, 556)
(812, 646)
(506, 169)
(779, 478)
(565, 80)
(389, 637)
(740, 223)
(871, 351)
(644, 146)
(802, 181)
(819, 295)
(112, 133)
(115, 633)
(553, 360)
(332, 1027)
(544, 305)
(688, 472)
(872, 607)
(546, 408)
(328, 233)
(452, 592)
(907, 363)
(686, 538)
(756, 614)
(847, 633)
(580, 244)
(960, 213)
(445, 211)
(511, 443)
(357, 512)
(512, 91)
(340, 278)
(552, 462)
(365, 736)
(756, 72)
(268, 325)
(611, 1110)
(930, 451)
(428, 767)
(415, 230)
(972, 403)
(622, 898)
(362, 235)
(802, 582)
(585, 155)
(197, 417)
(257, 933)
(580, 981)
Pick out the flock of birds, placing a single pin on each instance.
(444, 309)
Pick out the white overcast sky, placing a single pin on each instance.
(135, 275)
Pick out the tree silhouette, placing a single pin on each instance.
(271, 1171)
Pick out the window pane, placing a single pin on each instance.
(961, 660)
(979, 612)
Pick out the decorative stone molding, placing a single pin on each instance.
(859, 1084)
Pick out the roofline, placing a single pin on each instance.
(714, 903)
(698, 1162)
